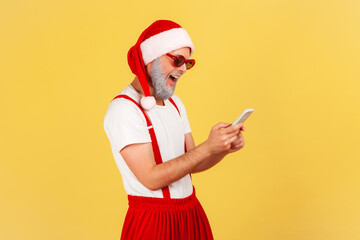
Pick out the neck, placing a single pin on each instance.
(136, 84)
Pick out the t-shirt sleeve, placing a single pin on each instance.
(183, 113)
(125, 124)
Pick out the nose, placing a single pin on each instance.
(182, 68)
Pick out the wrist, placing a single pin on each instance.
(205, 150)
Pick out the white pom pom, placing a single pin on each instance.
(147, 103)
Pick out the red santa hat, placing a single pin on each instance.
(161, 37)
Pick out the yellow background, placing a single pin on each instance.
(295, 62)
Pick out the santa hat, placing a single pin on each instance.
(161, 37)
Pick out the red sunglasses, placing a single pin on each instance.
(180, 60)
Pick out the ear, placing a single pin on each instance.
(148, 68)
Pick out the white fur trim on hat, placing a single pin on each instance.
(147, 103)
(165, 42)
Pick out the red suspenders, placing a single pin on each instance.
(172, 101)
(155, 146)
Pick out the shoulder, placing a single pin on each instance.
(121, 109)
(122, 105)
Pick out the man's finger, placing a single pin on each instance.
(238, 140)
(242, 128)
(221, 125)
(236, 146)
(234, 128)
(231, 140)
(232, 134)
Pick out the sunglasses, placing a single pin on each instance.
(180, 60)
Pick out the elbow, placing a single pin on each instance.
(151, 184)
(152, 188)
(154, 180)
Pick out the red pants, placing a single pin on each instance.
(168, 219)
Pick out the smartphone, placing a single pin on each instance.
(243, 116)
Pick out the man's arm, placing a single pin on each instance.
(140, 157)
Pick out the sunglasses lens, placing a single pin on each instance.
(179, 61)
(189, 64)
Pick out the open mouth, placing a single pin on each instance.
(173, 78)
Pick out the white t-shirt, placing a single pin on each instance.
(125, 124)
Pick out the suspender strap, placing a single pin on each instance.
(173, 103)
(154, 143)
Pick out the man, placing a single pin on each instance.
(152, 143)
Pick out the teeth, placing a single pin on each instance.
(176, 77)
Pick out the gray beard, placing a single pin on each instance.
(158, 78)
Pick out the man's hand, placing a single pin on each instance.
(223, 137)
(239, 143)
